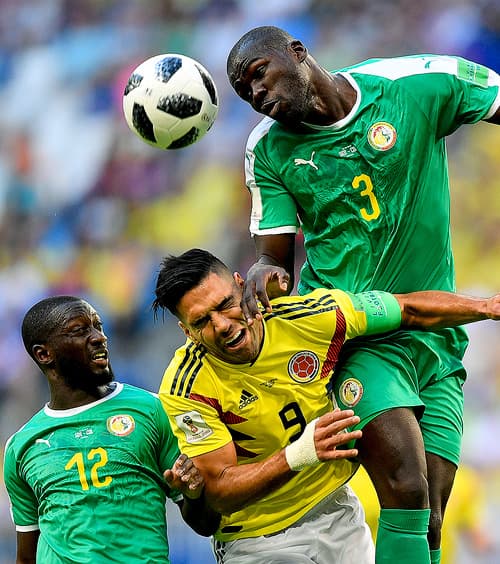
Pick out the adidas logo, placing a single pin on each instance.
(247, 398)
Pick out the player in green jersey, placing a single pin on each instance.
(248, 401)
(357, 159)
(85, 474)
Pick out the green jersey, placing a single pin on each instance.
(371, 192)
(90, 478)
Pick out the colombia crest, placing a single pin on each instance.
(382, 135)
(303, 367)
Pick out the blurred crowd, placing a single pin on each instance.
(86, 208)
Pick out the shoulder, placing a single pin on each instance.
(188, 363)
(140, 398)
(411, 65)
(260, 131)
(24, 433)
(318, 301)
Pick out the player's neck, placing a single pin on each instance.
(64, 397)
(335, 98)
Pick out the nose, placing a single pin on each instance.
(220, 322)
(258, 93)
(98, 336)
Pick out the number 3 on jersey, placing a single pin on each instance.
(366, 181)
(78, 460)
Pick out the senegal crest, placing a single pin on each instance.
(382, 136)
(351, 391)
(120, 425)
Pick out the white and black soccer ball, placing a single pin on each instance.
(170, 101)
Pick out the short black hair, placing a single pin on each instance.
(179, 274)
(259, 40)
(40, 320)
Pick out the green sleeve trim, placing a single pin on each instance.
(381, 309)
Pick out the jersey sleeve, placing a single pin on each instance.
(274, 210)
(455, 92)
(369, 313)
(196, 419)
(168, 448)
(23, 503)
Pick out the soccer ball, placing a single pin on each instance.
(170, 101)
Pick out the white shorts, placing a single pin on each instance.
(333, 532)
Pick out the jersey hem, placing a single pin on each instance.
(27, 528)
(494, 106)
(274, 230)
(286, 523)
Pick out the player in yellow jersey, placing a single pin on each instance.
(249, 403)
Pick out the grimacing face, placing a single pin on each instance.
(210, 314)
(79, 349)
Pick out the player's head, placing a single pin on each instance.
(64, 336)
(270, 70)
(205, 296)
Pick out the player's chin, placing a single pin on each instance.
(103, 376)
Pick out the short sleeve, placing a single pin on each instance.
(274, 209)
(24, 505)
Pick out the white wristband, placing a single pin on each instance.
(302, 452)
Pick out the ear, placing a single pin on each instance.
(238, 278)
(298, 49)
(42, 355)
(186, 330)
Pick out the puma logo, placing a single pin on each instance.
(43, 441)
(310, 162)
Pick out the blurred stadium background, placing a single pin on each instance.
(86, 208)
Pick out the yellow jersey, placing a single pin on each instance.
(265, 405)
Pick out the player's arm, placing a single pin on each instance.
(185, 477)
(26, 547)
(495, 118)
(436, 309)
(229, 487)
(433, 309)
(272, 275)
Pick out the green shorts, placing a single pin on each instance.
(417, 369)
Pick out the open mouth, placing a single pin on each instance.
(236, 339)
(100, 357)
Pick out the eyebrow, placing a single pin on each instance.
(243, 66)
(221, 305)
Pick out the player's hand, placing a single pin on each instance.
(493, 307)
(263, 283)
(184, 476)
(331, 432)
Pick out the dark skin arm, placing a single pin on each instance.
(495, 118)
(196, 512)
(26, 547)
(271, 276)
(435, 309)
